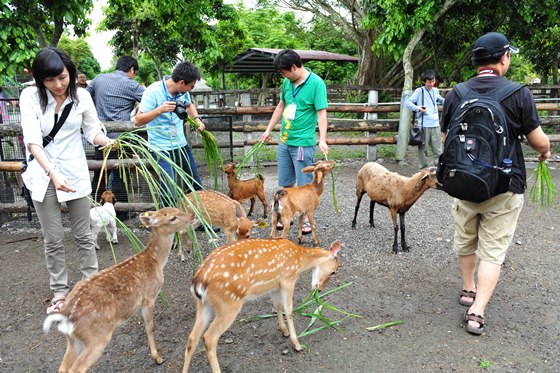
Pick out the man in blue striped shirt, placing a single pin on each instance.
(116, 93)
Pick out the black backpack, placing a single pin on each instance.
(478, 139)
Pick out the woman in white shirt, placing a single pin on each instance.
(58, 172)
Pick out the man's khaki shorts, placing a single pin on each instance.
(486, 229)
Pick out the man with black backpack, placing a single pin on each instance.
(482, 166)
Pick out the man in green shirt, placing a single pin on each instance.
(303, 106)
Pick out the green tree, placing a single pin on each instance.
(168, 31)
(80, 52)
(28, 25)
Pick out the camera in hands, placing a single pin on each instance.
(181, 111)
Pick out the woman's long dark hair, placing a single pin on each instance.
(50, 62)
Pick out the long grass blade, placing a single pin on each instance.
(386, 325)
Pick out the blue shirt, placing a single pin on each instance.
(115, 95)
(166, 132)
(431, 99)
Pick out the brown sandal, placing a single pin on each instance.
(467, 294)
(476, 318)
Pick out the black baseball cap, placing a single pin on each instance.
(492, 43)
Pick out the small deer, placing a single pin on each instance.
(99, 303)
(246, 189)
(240, 271)
(301, 200)
(221, 211)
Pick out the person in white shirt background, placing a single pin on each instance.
(58, 172)
(424, 101)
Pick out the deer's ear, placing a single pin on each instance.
(147, 218)
(335, 248)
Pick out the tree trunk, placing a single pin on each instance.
(405, 114)
(366, 74)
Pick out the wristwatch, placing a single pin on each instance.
(47, 171)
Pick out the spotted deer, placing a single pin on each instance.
(96, 305)
(220, 211)
(243, 270)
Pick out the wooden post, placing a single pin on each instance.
(371, 150)
(246, 101)
(404, 127)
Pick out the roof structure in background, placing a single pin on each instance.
(261, 59)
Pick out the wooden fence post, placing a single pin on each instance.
(371, 150)
(404, 126)
(246, 101)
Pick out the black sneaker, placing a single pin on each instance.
(200, 228)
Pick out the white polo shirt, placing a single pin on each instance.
(66, 152)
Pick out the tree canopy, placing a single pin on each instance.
(29, 25)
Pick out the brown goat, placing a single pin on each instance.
(394, 191)
(96, 305)
(302, 200)
(240, 190)
(221, 211)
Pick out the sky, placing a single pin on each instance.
(99, 41)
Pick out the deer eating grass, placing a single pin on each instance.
(99, 303)
(301, 200)
(221, 211)
(243, 270)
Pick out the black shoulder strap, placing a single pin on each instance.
(47, 139)
(462, 89)
(422, 116)
(507, 90)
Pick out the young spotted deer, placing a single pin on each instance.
(221, 211)
(99, 303)
(243, 270)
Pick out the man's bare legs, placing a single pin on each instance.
(487, 278)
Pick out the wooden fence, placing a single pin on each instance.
(371, 126)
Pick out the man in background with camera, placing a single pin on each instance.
(164, 106)
(424, 102)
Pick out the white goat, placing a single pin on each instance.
(394, 191)
(104, 217)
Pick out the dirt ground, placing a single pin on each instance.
(419, 287)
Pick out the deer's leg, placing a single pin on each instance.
(69, 357)
(262, 197)
(287, 221)
(277, 301)
(371, 208)
(94, 344)
(287, 294)
(203, 317)
(114, 238)
(252, 199)
(404, 246)
(395, 229)
(225, 316)
(358, 200)
(148, 316)
(273, 223)
(310, 216)
(300, 224)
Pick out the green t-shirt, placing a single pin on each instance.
(309, 97)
